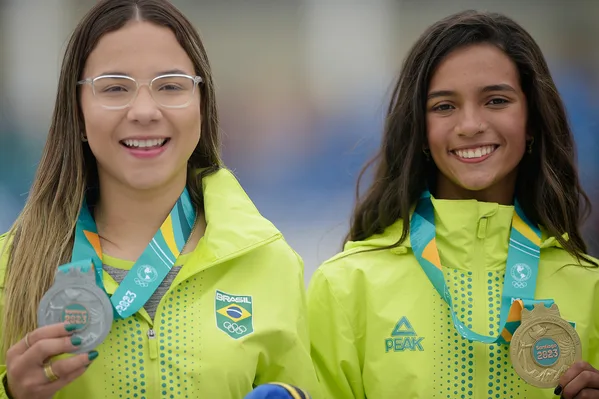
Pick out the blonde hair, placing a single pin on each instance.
(42, 236)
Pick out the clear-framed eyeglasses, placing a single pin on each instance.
(118, 91)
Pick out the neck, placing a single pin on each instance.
(500, 193)
(127, 218)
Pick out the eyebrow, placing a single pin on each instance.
(486, 89)
(167, 72)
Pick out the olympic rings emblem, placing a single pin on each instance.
(519, 284)
(234, 328)
(141, 283)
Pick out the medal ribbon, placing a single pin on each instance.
(149, 270)
(520, 275)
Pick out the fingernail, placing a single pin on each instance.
(557, 390)
(92, 355)
(70, 327)
(76, 341)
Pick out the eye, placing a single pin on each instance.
(114, 89)
(498, 101)
(443, 108)
(170, 87)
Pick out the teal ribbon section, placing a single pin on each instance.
(149, 270)
(520, 275)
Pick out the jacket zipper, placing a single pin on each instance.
(153, 369)
(152, 343)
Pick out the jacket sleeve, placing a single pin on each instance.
(287, 359)
(3, 393)
(593, 350)
(3, 262)
(334, 349)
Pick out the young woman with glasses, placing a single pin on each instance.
(205, 298)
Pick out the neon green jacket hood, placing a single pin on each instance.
(380, 330)
(187, 351)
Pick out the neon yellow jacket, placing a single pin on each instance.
(241, 259)
(379, 330)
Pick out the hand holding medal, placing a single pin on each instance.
(29, 373)
(580, 381)
(75, 299)
(74, 316)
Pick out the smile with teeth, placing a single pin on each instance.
(145, 144)
(479, 152)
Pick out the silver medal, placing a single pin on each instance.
(76, 299)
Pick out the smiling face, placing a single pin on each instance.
(476, 124)
(145, 145)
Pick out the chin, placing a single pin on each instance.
(476, 186)
(475, 180)
(147, 181)
(144, 185)
(475, 183)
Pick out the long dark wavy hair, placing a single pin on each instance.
(548, 187)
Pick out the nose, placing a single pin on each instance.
(143, 108)
(470, 122)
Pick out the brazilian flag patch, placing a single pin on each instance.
(234, 314)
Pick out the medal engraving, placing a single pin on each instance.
(76, 314)
(544, 346)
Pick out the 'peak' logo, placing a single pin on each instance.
(404, 338)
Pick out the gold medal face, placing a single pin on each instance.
(544, 346)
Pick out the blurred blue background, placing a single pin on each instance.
(302, 87)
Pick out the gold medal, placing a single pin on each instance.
(544, 346)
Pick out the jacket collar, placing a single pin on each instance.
(391, 235)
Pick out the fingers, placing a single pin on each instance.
(573, 371)
(588, 394)
(47, 348)
(25, 361)
(68, 366)
(579, 376)
(66, 380)
(36, 383)
(51, 331)
(67, 370)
